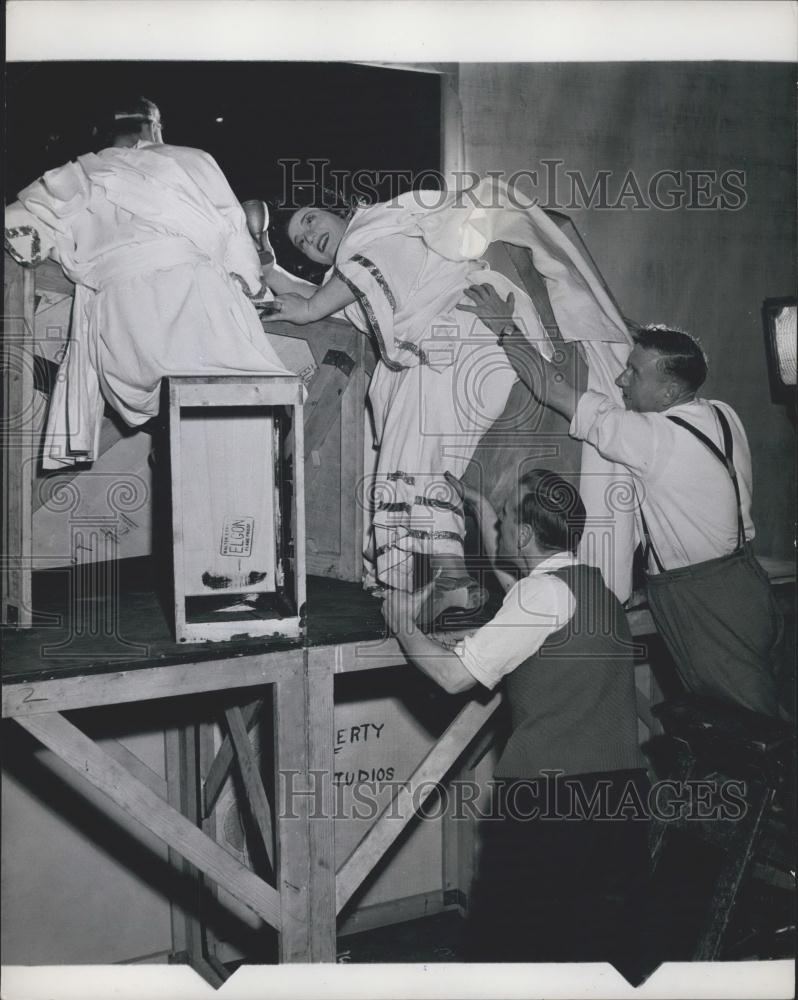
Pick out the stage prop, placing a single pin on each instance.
(238, 513)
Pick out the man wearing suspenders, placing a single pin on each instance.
(691, 466)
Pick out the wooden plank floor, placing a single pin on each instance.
(122, 623)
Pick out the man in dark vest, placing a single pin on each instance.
(565, 850)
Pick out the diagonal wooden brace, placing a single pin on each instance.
(219, 771)
(398, 813)
(82, 754)
(250, 775)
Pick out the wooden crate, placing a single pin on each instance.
(237, 512)
(335, 421)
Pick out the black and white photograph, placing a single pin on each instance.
(398, 487)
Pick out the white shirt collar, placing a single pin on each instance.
(557, 561)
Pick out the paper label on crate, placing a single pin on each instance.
(237, 535)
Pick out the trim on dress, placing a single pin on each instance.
(365, 305)
(407, 345)
(419, 502)
(35, 247)
(419, 533)
(378, 276)
(439, 504)
(423, 535)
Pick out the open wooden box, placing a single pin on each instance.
(238, 520)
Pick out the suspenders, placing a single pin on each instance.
(726, 457)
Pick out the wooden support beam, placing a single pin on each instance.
(248, 767)
(73, 747)
(293, 856)
(173, 742)
(189, 807)
(366, 655)
(61, 694)
(209, 965)
(398, 813)
(321, 889)
(133, 765)
(220, 769)
(210, 968)
(460, 838)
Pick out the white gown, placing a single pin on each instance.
(151, 235)
(442, 379)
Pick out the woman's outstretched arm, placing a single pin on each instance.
(325, 301)
(282, 282)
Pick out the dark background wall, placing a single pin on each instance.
(376, 127)
(707, 270)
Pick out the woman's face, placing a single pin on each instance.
(317, 233)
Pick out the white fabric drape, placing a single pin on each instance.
(442, 380)
(152, 236)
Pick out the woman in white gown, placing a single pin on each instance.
(398, 270)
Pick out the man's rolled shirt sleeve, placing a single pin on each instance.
(618, 435)
(534, 609)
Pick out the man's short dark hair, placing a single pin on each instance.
(682, 356)
(553, 508)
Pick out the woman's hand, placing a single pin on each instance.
(289, 307)
(494, 311)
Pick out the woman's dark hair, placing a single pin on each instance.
(315, 196)
(553, 508)
(682, 356)
(281, 211)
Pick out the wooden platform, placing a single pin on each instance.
(105, 639)
(107, 618)
(102, 637)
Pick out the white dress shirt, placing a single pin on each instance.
(685, 491)
(533, 609)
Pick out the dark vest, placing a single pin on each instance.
(572, 704)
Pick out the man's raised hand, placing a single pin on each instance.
(486, 303)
